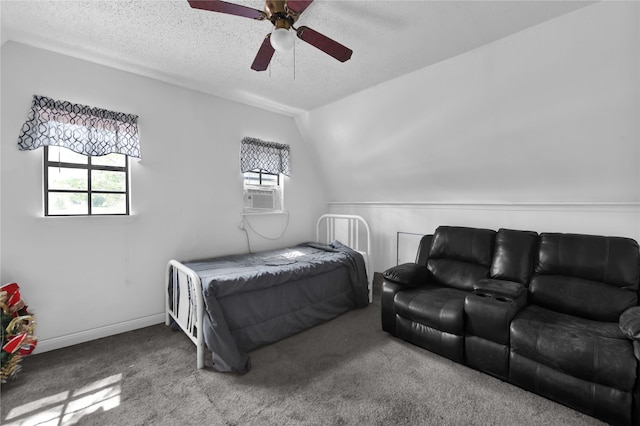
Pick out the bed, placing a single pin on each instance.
(231, 305)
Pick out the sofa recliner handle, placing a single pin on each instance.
(630, 326)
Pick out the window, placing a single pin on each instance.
(76, 184)
(86, 156)
(262, 163)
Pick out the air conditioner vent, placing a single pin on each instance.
(261, 199)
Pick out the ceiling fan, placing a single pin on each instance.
(282, 14)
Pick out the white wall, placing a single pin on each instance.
(540, 130)
(89, 277)
(537, 131)
(387, 219)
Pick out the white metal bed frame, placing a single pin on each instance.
(187, 312)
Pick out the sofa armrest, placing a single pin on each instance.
(630, 323)
(630, 326)
(408, 274)
(397, 279)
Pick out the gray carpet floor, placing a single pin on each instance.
(345, 371)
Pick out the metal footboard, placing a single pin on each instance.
(351, 230)
(185, 304)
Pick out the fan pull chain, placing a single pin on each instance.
(294, 61)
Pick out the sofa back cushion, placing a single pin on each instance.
(514, 256)
(589, 276)
(423, 250)
(459, 257)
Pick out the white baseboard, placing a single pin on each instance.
(97, 333)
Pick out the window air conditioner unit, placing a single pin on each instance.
(261, 199)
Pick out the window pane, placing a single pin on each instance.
(108, 204)
(64, 155)
(61, 203)
(270, 180)
(255, 177)
(116, 160)
(65, 178)
(102, 180)
(251, 178)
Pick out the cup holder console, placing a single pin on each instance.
(493, 296)
(490, 309)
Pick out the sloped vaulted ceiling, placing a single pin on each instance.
(548, 115)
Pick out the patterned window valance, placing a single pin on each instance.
(270, 157)
(80, 128)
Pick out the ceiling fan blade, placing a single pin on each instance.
(261, 62)
(298, 6)
(229, 8)
(324, 43)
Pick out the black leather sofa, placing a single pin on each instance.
(556, 314)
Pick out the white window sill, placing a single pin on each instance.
(267, 213)
(97, 218)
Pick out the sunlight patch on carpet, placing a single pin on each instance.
(67, 408)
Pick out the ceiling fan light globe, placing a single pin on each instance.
(281, 40)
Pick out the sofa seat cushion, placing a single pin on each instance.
(441, 308)
(594, 351)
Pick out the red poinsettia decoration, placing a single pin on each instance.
(17, 330)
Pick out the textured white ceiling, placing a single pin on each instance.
(213, 52)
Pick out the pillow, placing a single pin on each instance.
(320, 246)
(630, 323)
(409, 274)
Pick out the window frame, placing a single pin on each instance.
(89, 167)
(260, 173)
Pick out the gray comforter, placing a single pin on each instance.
(255, 299)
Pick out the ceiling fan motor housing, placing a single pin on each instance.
(279, 14)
